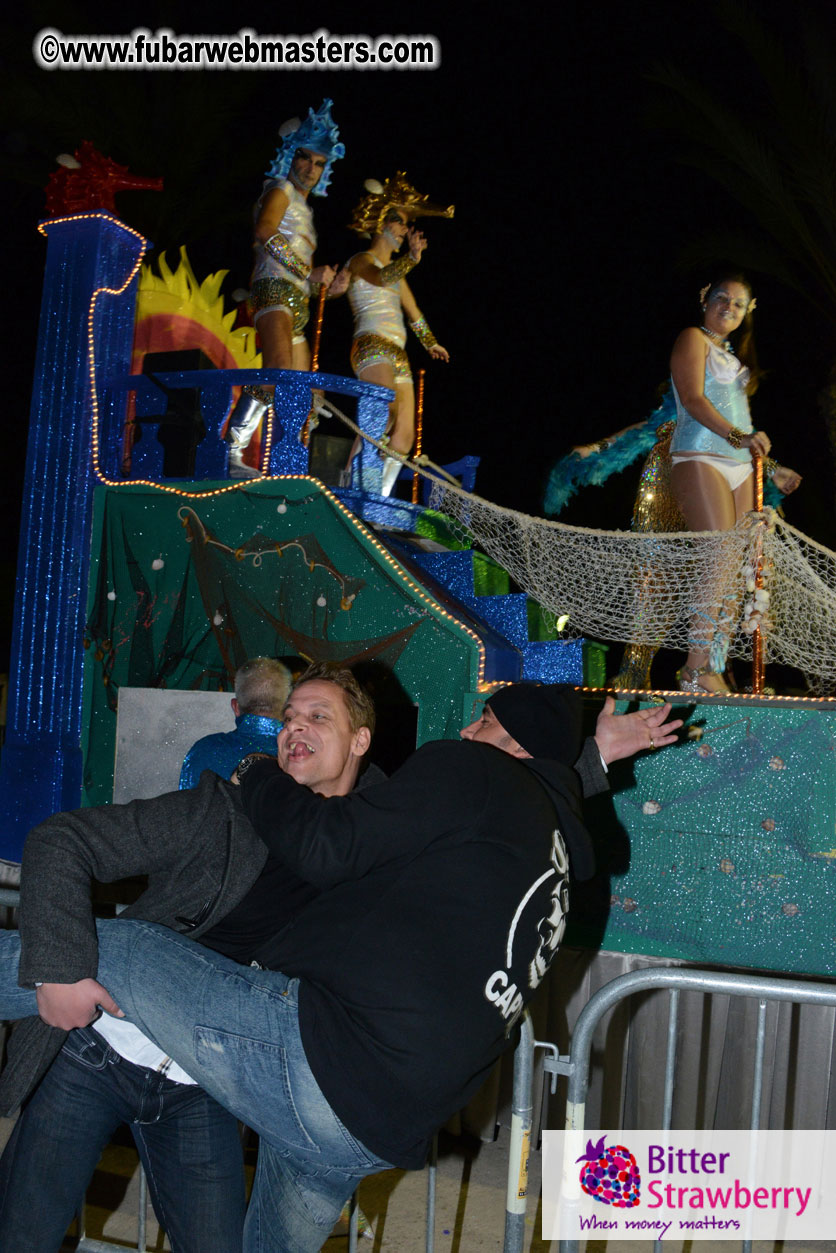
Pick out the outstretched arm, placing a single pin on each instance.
(586, 450)
(624, 735)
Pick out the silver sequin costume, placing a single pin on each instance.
(274, 286)
(379, 329)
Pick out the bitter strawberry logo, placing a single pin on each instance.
(610, 1175)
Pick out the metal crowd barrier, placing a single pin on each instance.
(575, 1064)
(104, 1246)
(432, 1170)
(575, 1067)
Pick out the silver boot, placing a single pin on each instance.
(391, 470)
(243, 424)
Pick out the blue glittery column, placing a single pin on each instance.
(41, 765)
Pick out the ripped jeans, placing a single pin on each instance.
(235, 1030)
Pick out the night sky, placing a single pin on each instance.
(563, 279)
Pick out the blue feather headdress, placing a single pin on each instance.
(319, 134)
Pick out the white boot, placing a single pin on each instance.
(391, 470)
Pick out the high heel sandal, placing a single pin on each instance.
(689, 678)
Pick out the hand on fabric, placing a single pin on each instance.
(69, 1005)
(245, 763)
(441, 354)
(786, 480)
(623, 735)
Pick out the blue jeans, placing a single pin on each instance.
(236, 1031)
(188, 1144)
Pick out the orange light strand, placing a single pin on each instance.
(419, 430)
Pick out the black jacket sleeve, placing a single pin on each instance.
(328, 840)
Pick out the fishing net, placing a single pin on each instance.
(666, 590)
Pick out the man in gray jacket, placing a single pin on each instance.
(209, 877)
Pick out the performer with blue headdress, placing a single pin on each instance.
(285, 240)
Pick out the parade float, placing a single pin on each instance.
(720, 850)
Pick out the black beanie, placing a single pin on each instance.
(544, 718)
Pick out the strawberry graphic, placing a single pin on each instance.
(610, 1175)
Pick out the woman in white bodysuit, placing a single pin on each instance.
(712, 448)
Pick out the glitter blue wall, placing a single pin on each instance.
(722, 849)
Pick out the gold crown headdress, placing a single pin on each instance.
(395, 193)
